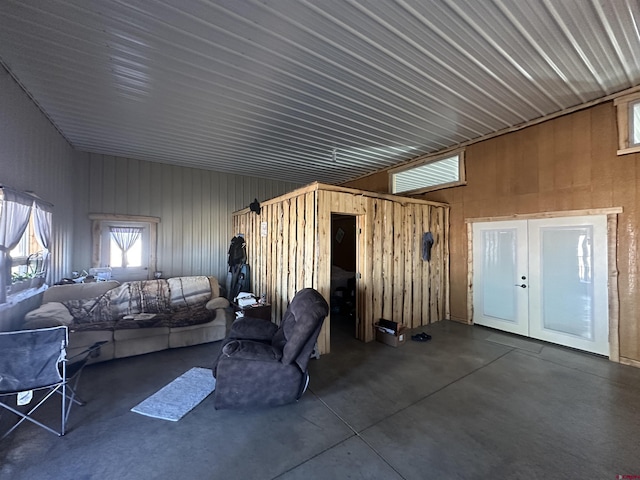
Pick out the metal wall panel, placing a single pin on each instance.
(35, 157)
(194, 207)
(226, 86)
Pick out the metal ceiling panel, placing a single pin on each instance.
(305, 90)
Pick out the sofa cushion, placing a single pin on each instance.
(188, 291)
(91, 310)
(133, 333)
(146, 296)
(77, 291)
(80, 341)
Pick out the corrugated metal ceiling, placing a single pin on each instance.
(271, 88)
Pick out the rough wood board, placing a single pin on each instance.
(297, 253)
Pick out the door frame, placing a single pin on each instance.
(612, 263)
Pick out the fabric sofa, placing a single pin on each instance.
(135, 317)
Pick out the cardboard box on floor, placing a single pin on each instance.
(393, 340)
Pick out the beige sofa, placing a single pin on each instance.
(135, 317)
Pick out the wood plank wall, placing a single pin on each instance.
(284, 260)
(567, 163)
(395, 282)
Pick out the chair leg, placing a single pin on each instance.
(27, 416)
(64, 411)
(72, 396)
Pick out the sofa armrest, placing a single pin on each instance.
(51, 314)
(249, 350)
(218, 302)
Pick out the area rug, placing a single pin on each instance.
(175, 400)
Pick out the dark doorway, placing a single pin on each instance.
(343, 276)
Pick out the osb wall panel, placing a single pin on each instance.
(568, 163)
(395, 283)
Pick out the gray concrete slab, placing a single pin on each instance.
(518, 417)
(366, 383)
(516, 342)
(352, 459)
(459, 406)
(107, 440)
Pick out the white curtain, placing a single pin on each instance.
(42, 217)
(15, 210)
(125, 237)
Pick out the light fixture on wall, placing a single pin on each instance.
(333, 155)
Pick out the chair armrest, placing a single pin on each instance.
(249, 350)
(247, 328)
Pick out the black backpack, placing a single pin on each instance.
(237, 252)
(238, 278)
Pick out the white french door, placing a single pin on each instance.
(544, 278)
(501, 276)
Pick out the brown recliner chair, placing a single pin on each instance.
(262, 364)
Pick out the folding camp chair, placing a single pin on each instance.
(35, 360)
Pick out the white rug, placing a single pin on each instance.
(175, 400)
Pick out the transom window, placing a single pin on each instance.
(634, 128)
(429, 174)
(628, 107)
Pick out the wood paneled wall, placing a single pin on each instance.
(282, 253)
(568, 163)
(293, 251)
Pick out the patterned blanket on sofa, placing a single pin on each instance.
(176, 302)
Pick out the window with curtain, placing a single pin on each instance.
(25, 236)
(126, 248)
(126, 242)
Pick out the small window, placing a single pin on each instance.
(429, 174)
(22, 254)
(125, 249)
(634, 127)
(628, 107)
(125, 244)
(27, 230)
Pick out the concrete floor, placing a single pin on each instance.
(471, 403)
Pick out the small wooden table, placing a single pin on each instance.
(262, 311)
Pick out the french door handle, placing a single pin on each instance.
(521, 286)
